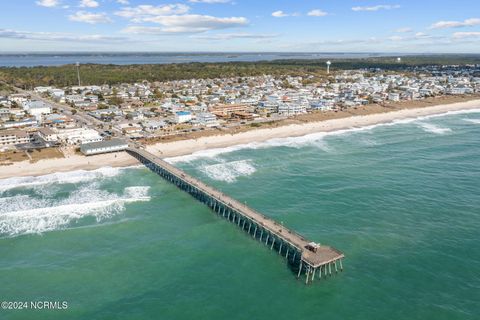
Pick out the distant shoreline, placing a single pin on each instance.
(34, 59)
(183, 148)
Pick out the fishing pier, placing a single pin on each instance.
(304, 256)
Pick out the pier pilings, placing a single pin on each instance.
(303, 256)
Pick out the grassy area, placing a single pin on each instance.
(5, 89)
(36, 155)
(12, 156)
(47, 153)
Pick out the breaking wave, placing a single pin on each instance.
(229, 171)
(23, 214)
(475, 121)
(314, 138)
(59, 178)
(428, 127)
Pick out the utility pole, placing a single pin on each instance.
(78, 73)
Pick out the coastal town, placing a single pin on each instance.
(91, 119)
(236, 159)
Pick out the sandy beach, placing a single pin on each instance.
(185, 147)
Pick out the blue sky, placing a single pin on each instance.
(241, 25)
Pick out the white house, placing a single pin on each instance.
(18, 98)
(56, 93)
(78, 135)
(393, 96)
(37, 108)
(183, 116)
(42, 89)
(153, 125)
(47, 134)
(290, 109)
(207, 119)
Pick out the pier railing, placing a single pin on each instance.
(304, 256)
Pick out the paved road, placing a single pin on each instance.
(81, 117)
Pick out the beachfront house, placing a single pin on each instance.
(78, 135)
(47, 135)
(393, 96)
(153, 125)
(12, 137)
(291, 109)
(207, 119)
(183, 116)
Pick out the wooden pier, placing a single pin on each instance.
(304, 256)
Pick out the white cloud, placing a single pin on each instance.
(342, 42)
(209, 1)
(279, 14)
(404, 30)
(174, 18)
(54, 36)
(124, 2)
(144, 30)
(377, 7)
(48, 3)
(190, 23)
(89, 17)
(230, 36)
(464, 35)
(88, 4)
(395, 38)
(317, 13)
(139, 13)
(455, 24)
(418, 41)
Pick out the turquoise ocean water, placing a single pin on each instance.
(402, 201)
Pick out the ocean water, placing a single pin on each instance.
(402, 201)
(123, 58)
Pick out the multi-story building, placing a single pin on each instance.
(182, 116)
(12, 137)
(290, 109)
(207, 119)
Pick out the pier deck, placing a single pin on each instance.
(306, 255)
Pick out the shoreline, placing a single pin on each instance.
(191, 146)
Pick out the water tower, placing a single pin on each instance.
(399, 59)
(328, 66)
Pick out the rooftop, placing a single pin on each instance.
(103, 144)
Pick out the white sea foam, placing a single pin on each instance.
(428, 127)
(309, 139)
(313, 139)
(22, 214)
(59, 178)
(475, 121)
(229, 171)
